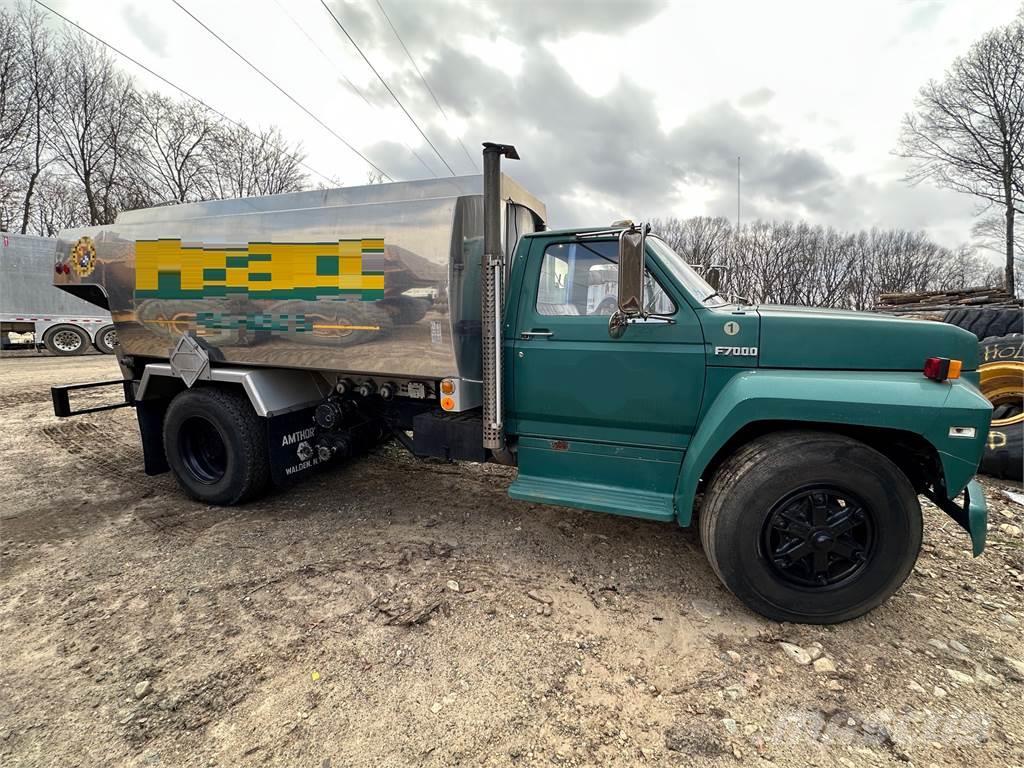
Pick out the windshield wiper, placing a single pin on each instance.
(710, 296)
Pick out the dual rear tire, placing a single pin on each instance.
(216, 446)
(810, 527)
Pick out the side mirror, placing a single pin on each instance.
(631, 272)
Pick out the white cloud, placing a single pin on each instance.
(654, 102)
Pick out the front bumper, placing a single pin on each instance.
(972, 516)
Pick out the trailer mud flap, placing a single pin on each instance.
(291, 439)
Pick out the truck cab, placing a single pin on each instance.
(821, 425)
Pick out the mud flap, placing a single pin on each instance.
(150, 414)
(972, 516)
(289, 436)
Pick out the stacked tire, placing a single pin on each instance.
(1001, 371)
(986, 323)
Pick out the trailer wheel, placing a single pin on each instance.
(216, 446)
(810, 527)
(106, 339)
(66, 340)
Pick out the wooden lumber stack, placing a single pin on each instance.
(943, 301)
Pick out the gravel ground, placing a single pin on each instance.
(393, 612)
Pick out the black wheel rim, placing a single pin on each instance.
(202, 450)
(819, 537)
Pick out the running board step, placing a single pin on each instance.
(594, 496)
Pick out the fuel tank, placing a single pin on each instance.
(380, 280)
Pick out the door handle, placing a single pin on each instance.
(536, 334)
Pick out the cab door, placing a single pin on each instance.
(572, 382)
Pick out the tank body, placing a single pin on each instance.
(379, 280)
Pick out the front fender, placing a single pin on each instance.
(897, 400)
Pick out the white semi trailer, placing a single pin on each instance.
(35, 314)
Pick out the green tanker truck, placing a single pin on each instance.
(266, 338)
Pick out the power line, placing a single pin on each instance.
(355, 89)
(425, 83)
(178, 88)
(386, 86)
(285, 93)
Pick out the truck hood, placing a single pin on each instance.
(805, 337)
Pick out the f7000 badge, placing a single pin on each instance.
(736, 351)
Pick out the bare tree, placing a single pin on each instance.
(59, 205)
(96, 113)
(14, 115)
(967, 132)
(176, 146)
(989, 233)
(799, 263)
(14, 110)
(248, 163)
(37, 60)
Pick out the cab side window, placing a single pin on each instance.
(583, 279)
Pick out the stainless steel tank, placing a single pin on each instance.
(376, 280)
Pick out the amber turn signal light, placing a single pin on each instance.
(942, 368)
(447, 403)
(447, 387)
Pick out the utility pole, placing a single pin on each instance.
(737, 194)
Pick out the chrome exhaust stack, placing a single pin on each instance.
(491, 295)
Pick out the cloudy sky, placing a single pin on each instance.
(618, 108)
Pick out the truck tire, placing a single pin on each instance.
(986, 322)
(216, 446)
(175, 318)
(66, 340)
(810, 527)
(106, 339)
(336, 323)
(406, 310)
(1002, 382)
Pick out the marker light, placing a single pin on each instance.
(942, 368)
(969, 432)
(447, 403)
(447, 387)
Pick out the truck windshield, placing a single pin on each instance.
(685, 274)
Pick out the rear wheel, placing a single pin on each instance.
(810, 527)
(66, 340)
(216, 446)
(106, 339)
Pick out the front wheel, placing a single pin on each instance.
(810, 527)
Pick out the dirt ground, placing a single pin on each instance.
(394, 613)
